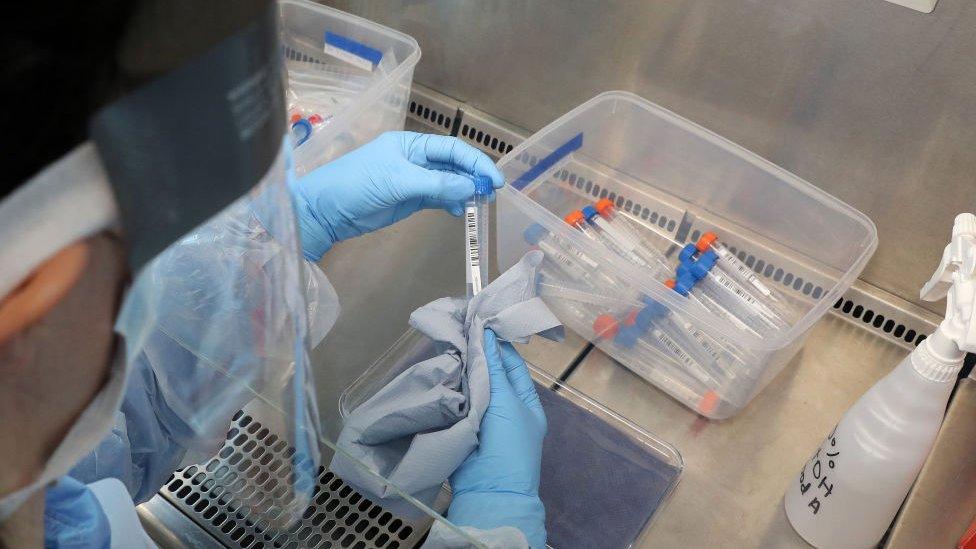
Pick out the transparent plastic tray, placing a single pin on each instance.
(674, 180)
(354, 74)
(576, 521)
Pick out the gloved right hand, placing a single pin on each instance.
(498, 484)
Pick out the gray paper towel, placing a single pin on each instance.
(417, 430)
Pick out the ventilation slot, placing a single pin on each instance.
(235, 496)
(877, 322)
(595, 191)
(485, 139)
(429, 115)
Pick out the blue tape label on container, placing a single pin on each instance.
(351, 51)
(549, 161)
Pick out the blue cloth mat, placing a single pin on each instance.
(600, 487)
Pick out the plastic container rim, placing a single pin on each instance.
(664, 448)
(709, 323)
(405, 66)
(667, 451)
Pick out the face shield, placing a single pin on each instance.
(221, 319)
(193, 168)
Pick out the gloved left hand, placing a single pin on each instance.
(383, 182)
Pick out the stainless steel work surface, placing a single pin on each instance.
(737, 470)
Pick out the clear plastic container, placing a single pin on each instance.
(619, 522)
(348, 79)
(674, 181)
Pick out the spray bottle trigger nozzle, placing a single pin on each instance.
(955, 279)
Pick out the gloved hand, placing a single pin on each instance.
(498, 484)
(383, 182)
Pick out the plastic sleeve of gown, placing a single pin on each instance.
(150, 439)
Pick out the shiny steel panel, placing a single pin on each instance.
(871, 102)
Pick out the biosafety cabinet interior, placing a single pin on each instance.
(869, 102)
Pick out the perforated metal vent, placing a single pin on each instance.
(486, 139)
(878, 321)
(486, 132)
(433, 109)
(885, 315)
(223, 495)
(430, 115)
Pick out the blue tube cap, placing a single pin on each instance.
(627, 336)
(482, 185)
(698, 268)
(534, 233)
(589, 212)
(708, 258)
(687, 253)
(301, 130)
(683, 282)
(651, 312)
(647, 316)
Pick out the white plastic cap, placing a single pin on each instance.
(965, 225)
(938, 359)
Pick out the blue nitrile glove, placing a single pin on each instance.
(383, 182)
(498, 484)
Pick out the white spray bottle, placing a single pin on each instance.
(848, 493)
